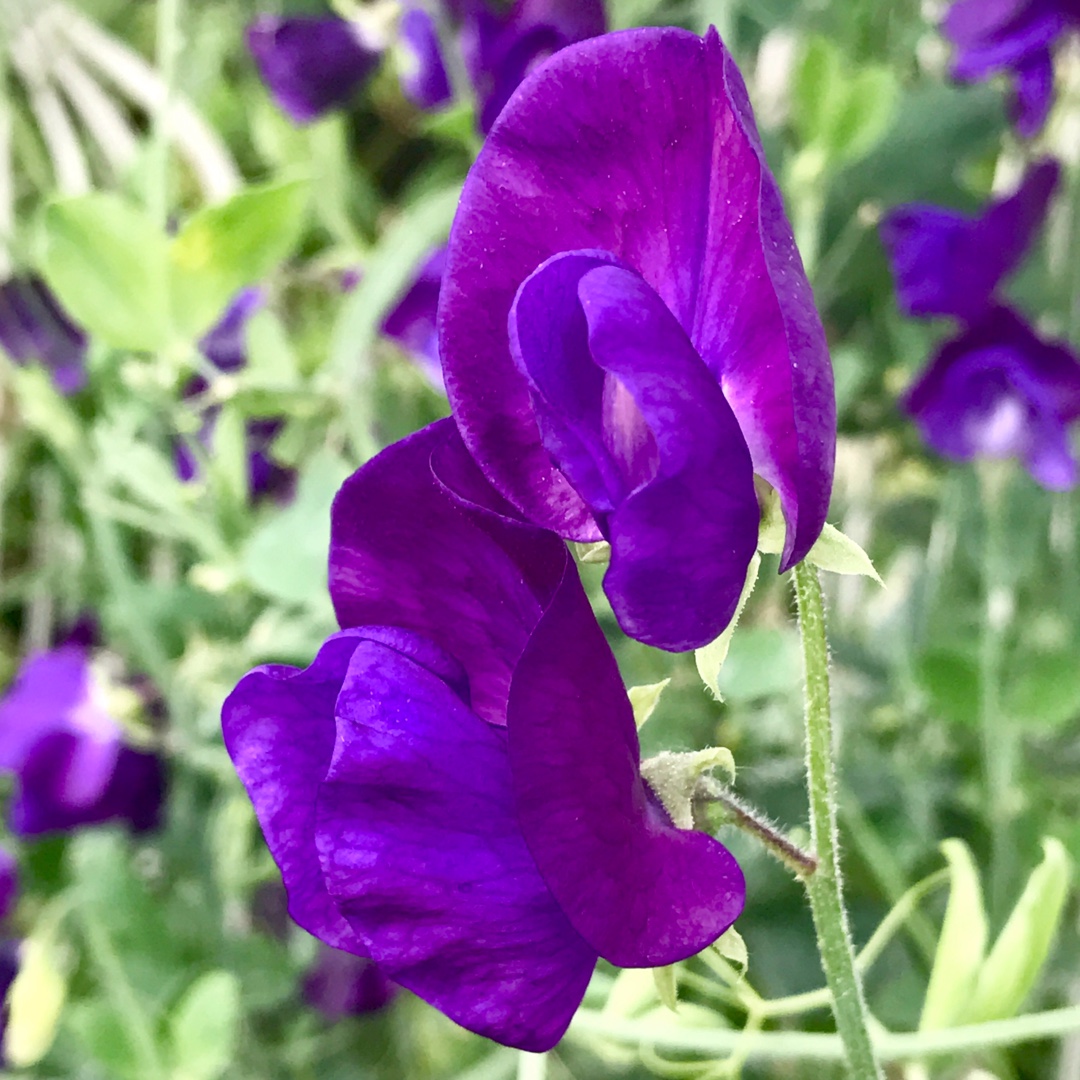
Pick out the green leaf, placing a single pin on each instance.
(644, 700)
(817, 89)
(961, 946)
(204, 1028)
(104, 1036)
(951, 681)
(1012, 968)
(46, 411)
(107, 262)
(710, 658)
(861, 119)
(224, 248)
(1045, 691)
(761, 663)
(732, 948)
(286, 556)
(840, 554)
(667, 985)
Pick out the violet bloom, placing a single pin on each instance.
(310, 65)
(411, 322)
(627, 332)
(1013, 36)
(452, 788)
(947, 263)
(999, 391)
(9, 885)
(9, 949)
(33, 326)
(68, 753)
(342, 984)
(499, 47)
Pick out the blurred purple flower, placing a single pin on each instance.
(999, 391)
(33, 326)
(224, 345)
(947, 263)
(452, 788)
(1013, 36)
(342, 984)
(623, 300)
(68, 753)
(310, 65)
(499, 47)
(411, 322)
(9, 884)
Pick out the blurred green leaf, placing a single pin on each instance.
(224, 248)
(862, 118)
(951, 681)
(1012, 968)
(35, 999)
(710, 658)
(45, 410)
(104, 1037)
(1045, 691)
(817, 89)
(286, 556)
(761, 662)
(204, 1028)
(961, 945)
(108, 263)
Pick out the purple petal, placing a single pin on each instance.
(642, 144)
(411, 322)
(575, 20)
(1033, 93)
(993, 34)
(279, 731)
(638, 890)
(424, 81)
(421, 851)
(310, 65)
(9, 883)
(946, 263)
(224, 344)
(635, 421)
(999, 391)
(404, 552)
(33, 326)
(341, 984)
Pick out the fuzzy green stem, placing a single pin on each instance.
(824, 886)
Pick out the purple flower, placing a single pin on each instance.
(310, 65)
(947, 263)
(341, 984)
(499, 47)
(626, 330)
(452, 788)
(1016, 36)
(9, 883)
(411, 322)
(999, 391)
(33, 326)
(68, 753)
(224, 345)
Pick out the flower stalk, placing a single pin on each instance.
(824, 886)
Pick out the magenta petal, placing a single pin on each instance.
(639, 143)
(404, 552)
(279, 731)
(421, 851)
(638, 890)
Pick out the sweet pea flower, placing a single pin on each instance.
(411, 321)
(33, 326)
(452, 789)
(499, 47)
(948, 263)
(341, 984)
(1013, 36)
(224, 345)
(999, 391)
(311, 65)
(626, 330)
(9, 949)
(9, 884)
(67, 752)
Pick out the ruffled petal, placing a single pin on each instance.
(424, 79)
(633, 418)
(423, 855)
(310, 65)
(1032, 93)
(946, 263)
(639, 143)
(993, 34)
(405, 552)
(638, 890)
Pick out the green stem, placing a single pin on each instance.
(814, 1046)
(824, 886)
(169, 44)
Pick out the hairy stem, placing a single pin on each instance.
(824, 886)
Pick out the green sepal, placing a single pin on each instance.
(673, 778)
(709, 659)
(667, 985)
(644, 700)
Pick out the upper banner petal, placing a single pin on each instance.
(638, 890)
(421, 850)
(639, 143)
